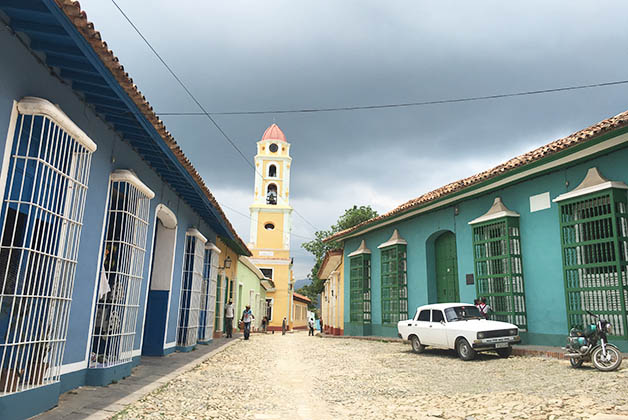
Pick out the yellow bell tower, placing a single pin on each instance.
(271, 223)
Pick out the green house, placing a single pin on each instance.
(544, 237)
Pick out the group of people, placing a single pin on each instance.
(246, 319)
(482, 306)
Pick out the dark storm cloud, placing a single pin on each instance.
(285, 54)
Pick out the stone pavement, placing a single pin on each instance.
(517, 349)
(96, 403)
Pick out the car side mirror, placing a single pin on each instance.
(442, 322)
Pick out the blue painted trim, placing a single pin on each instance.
(23, 405)
(106, 376)
(169, 350)
(72, 380)
(136, 361)
(183, 349)
(205, 342)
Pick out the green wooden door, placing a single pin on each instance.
(446, 268)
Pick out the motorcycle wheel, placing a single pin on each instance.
(576, 362)
(609, 363)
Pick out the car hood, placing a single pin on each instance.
(480, 325)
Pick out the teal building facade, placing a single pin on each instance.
(542, 236)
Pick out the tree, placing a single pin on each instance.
(318, 248)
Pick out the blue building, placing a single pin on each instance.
(107, 233)
(544, 237)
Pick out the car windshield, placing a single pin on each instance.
(460, 313)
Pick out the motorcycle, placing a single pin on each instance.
(582, 345)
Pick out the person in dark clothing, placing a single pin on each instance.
(284, 326)
(310, 324)
(229, 312)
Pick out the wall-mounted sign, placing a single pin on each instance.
(470, 279)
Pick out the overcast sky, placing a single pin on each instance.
(260, 55)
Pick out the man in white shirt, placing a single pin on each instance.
(229, 312)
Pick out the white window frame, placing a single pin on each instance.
(191, 282)
(122, 271)
(208, 291)
(37, 308)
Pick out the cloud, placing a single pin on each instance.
(249, 55)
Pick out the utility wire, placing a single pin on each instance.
(191, 95)
(405, 104)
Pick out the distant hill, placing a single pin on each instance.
(300, 283)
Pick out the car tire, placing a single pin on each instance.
(464, 349)
(417, 347)
(505, 352)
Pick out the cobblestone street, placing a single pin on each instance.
(301, 377)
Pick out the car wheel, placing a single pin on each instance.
(505, 352)
(464, 349)
(417, 347)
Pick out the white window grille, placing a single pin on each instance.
(120, 280)
(190, 304)
(208, 292)
(46, 168)
(220, 301)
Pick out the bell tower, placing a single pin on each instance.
(271, 221)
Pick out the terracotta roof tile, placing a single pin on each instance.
(72, 9)
(582, 136)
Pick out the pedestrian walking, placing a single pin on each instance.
(247, 317)
(321, 320)
(310, 324)
(229, 312)
(264, 324)
(283, 326)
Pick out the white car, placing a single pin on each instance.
(458, 326)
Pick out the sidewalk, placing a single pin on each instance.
(517, 349)
(99, 403)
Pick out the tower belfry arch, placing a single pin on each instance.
(271, 222)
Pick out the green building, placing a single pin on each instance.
(543, 236)
(251, 290)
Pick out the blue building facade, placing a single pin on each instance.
(103, 219)
(542, 236)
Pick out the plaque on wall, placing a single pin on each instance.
(470, 279)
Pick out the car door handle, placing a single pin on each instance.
(409, 325)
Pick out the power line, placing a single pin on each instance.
(280, 230)
(191, 95)
(404, 104)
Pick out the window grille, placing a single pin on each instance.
(208, 293)
(499, 269)
(121, 276)
(594, 237)
(360, 283)
(220, 303)
(190, 304)
(394, 284)
(46, 167)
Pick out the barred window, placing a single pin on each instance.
(189, 307)
(46, 169)
(208, 292)
(121, 275)
(360, 288)
(594, 236)
(499, 270)
(394, 284)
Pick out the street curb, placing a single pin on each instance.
(114, 408)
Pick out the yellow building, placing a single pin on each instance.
(332, 297)
(271, 223)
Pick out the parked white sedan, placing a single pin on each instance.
(458, 326)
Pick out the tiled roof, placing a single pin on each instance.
(300, 297)
(274, 133)
(328, 255)
(580, 137)
(78, 17)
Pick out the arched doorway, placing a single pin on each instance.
(160, 284)
(446, 267)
